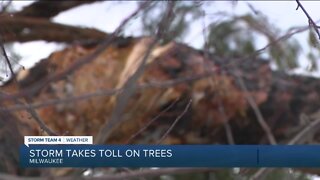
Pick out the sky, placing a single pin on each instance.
(107, 15)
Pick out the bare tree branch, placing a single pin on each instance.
(305, 132)
(33, 113)
(106, 92)
(23, 29)
(29, 108)
(256, 110)
(48, 9)
(311, 21)
(150, 122)
(226, 125)
(175, 122)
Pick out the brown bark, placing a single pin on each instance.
(23, 29)
(48, 9)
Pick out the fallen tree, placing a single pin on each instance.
(182, 96)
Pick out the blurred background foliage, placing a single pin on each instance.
(234, 36)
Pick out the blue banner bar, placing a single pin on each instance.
(170, 156)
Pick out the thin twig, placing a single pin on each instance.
(175, 122)
(109, 92)
(311, 21)
(226, 124)
(260, 173)
(67, 99)
(35, 116)
(303, 134)
(151, 121)
(256, 110)
(297, 139)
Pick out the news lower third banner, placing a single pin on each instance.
(66, 153)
